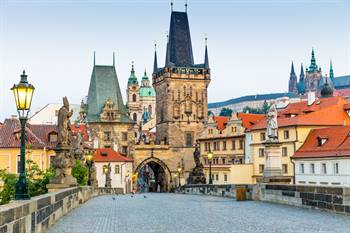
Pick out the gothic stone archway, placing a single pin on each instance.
(153, 173)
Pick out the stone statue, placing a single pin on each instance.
(108, 176)
(64, 158)
(93, 175)
(272, 126)
(196, 156)
(197, 175)
(63, 124)
(78, 147)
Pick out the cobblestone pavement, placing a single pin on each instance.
(163, 213)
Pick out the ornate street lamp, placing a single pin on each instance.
(89, 162)
(210, 159)
(179, 169)
(23, 92)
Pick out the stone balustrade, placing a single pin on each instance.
(335, 199)
(39, 213)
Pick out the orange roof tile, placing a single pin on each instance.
(316, 114)
(81, 128)
(109, 155)
(337, 143)
(221, 122)
(248, 119)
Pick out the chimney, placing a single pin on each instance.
(310, 98)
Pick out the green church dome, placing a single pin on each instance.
(147, 92)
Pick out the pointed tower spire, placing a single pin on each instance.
(313, 65)
(186, 6)
(132, 77)
(292, 72)
(167, 56)
(172, 5)
(113, 59)
(155, 64)
(331, 73)
(206, 58)
(293, 81)
(301, 84)
(94, 58)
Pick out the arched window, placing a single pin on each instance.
(150, 109)
(134, 116)
(134, 97)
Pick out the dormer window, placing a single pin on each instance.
(104, 154)
(321, 141)
(53, 137)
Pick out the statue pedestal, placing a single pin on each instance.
(197, 176)
(63, 163)
(273, 164)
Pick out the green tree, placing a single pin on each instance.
(225, 112)
(80, 172)
(7, 192)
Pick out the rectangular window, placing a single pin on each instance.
(284, 168)
(302, 171)
(324, 168)
(117, 169)
(312, 168)
(286, 134)
(224, 145)
(262, 136)
(284, 151)
(214, 145)
(124, 150)
(225, 177)
(241, 144)
(336, 168)
(217, 177)
(218, 145)
(205, 146)
(189, 139)
(124, 136)
(209, 146)
(261, 168)
(261, 152)
(233, 145)
(223, 160)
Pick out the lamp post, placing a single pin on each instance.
(23, 93)
(210, 159)
(89, 162)
(179, 169)
(175, 176)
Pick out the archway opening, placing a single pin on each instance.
(152, 177)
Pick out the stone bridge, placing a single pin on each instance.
(209, 209)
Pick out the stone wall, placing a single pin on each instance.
(336, 199)
(39, 213)
(216, 190)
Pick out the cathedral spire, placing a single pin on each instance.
(313, 65)
(331, 73)
(155, 64)
(292, 72)
(206, 58)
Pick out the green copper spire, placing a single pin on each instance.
(313, 65)
(145, 77)
(132, 79)
(331, 73)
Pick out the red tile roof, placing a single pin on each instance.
(249, 120)
(109, 155)
(337, 143)
(37, 135)
(80, 128)
(316, 114)
(221, 122)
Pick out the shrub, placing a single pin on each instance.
(80, 172)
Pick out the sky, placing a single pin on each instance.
(251, 43)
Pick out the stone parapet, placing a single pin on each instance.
(228, 190)
(39, 213)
